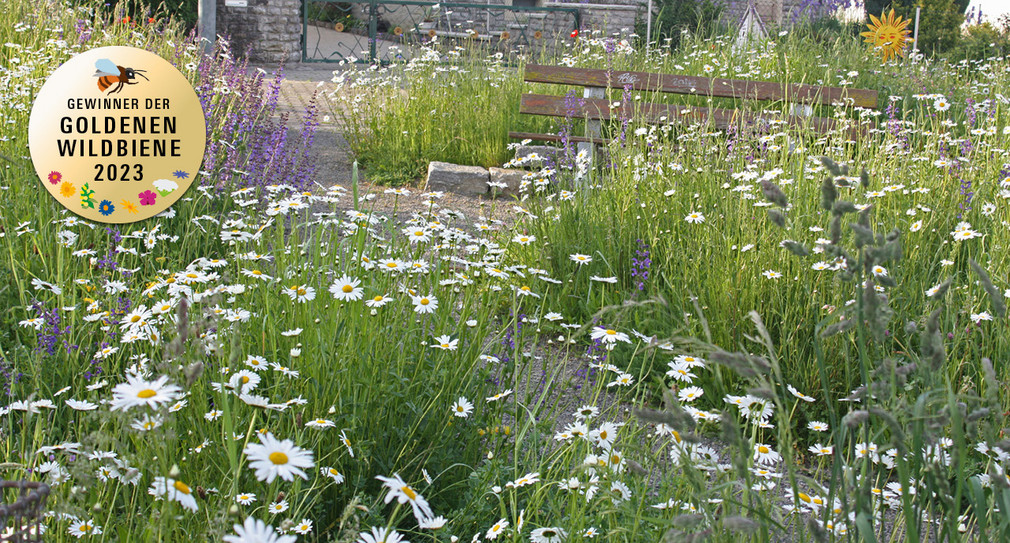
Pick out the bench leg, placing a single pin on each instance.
(592, 131)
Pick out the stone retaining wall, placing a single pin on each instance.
(270, 29)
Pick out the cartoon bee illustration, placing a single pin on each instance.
(109, 74)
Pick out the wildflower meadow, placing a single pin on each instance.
(697, 335)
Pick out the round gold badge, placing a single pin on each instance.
(117, 134)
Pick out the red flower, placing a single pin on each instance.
(55, 177)
(147, 198)
(575, 33)
(150, 20)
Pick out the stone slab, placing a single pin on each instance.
(467, 180)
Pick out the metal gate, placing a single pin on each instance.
(371, 31)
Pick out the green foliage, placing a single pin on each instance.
(981, 42)
(678, 16)
(939, 23)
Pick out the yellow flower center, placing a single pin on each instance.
(377, 298)
(85, 528)
(278, 458)
(192, 275)
(347, 288)
(146, 393)
(334, 472)
(257, 272)
(135, 318)
(301, 291)
(603, 434)
(424, 301)
(763, 450)
(245, 379)
(181, 487)
(524, 287)
(804, 497)
(611, 332)
(445, 345)
(391, 265)
(409, 492)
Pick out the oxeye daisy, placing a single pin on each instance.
(277, 508)
(245, 498)
(272, 458)
(346, 289)
(821, 450)
(800, 395)
(690, 394)
(301, 293)
(257, 530)
(174, 490)
(817, 426)
(580, 259)
(244, 381)
(257, 363)
(445, 343)
(763, 454)
(403, 493)
(548, 535)
(496, 530)
(462, 407)
(432, 523)
(607, 335)
(378, 301)
(303, 527)
(347, 443)
(320, 423)
(425, 304)
(380, 535)
(694, 217)
(81, 528)
(138, 391)
(332, 473)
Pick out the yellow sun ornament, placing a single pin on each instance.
(888, 34)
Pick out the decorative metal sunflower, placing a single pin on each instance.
(888, 34)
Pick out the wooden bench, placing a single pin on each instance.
(596, 107)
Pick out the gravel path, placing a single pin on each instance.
(334, 158)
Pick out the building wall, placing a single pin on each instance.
(270, 29)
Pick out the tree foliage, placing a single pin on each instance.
(675, 16)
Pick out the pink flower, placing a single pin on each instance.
(147, 198)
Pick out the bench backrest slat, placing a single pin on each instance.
(702, 86)
(599, 109)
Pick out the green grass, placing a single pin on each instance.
(235, 269)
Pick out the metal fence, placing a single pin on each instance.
(21, 518)
(383, 32)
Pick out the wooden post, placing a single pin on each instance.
(592, 131)
(207, 23)
(915, 39)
